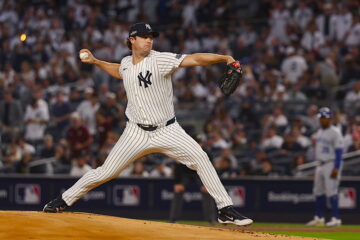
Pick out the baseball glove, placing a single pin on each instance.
(231, 78)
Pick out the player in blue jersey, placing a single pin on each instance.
(329, 145)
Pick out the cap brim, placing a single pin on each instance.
(154, 34)
(321, 116)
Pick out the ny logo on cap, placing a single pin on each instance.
(148, 26)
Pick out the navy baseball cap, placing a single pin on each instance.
(324, 112)
(141, 29)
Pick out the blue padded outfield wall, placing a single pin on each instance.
(276, 200)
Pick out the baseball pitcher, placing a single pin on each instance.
(151, 125)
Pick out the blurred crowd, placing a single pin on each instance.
(297, 56)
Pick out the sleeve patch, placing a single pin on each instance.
(178, 56)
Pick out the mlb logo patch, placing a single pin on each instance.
(237, 194)
(27, 193)
(347, 198)
(126, 195)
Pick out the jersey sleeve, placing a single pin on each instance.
(122, 65)
(169, 62)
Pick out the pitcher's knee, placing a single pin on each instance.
(198, 161)
(102, 175)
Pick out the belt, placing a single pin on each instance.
(153, 127)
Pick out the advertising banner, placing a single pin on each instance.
(155, 195)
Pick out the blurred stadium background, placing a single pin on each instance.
(59, 118)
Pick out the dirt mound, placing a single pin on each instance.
(17, 225)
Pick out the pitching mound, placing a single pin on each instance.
(46, 226)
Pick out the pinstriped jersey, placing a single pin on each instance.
(148, 87)
(327, 141)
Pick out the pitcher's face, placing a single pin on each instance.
(142, 44)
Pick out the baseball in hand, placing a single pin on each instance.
(84, 55)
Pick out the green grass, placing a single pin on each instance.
(295, 225)
(266, 224)
(326, 235)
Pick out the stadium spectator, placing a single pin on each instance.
(216, 141)
(238, 140)
(80, 166)
(266, 168)
(78, 137)
(271, 141)
(277, 119)
(326, 71)
(11, 119)
(23, 165)
(255, 162)
(23, 147)
(222, 120)
(226, 153)
(342, 23)
(310, 120)
(312, 39)
(88, 108)
(60, 112)
(47, 150)
(298, 161)
(293, 66)
(188, 13)
(8, 165)
(139, 170)
(248, 36)
(353, 35)
(161, 170)
(247, 109)
(355, 143)
(352, 100)
(290, 145)
(111, 139)
(63, 161)
(280, 18)
(325, 21)
(351, 67)
(36, 118)
(111, 110)
(300, 138)
(302, 15)
(224, 169)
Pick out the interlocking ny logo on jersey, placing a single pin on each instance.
(145, 80)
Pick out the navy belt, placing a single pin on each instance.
(153, 127)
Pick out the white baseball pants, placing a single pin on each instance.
(134, 143)
(323, 183)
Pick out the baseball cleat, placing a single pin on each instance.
(55, 206)
(230, 215)
(318, 222)
(334, 222)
